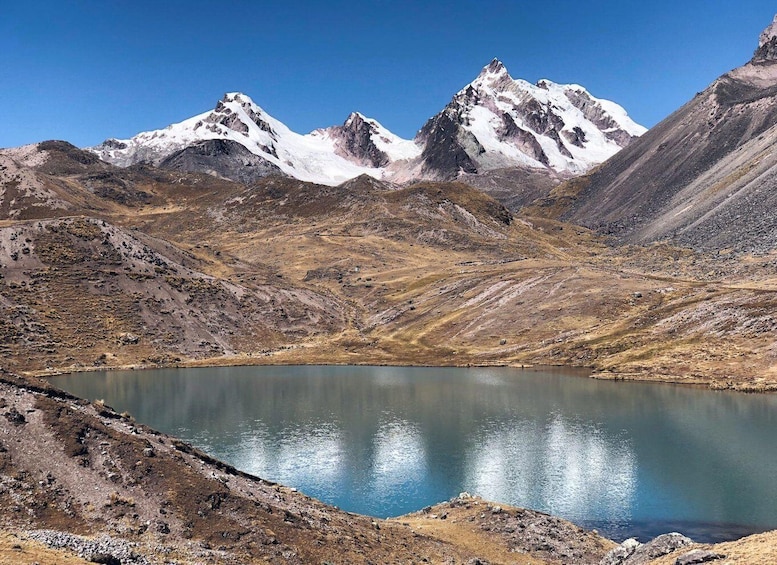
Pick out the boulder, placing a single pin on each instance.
(620, 554)
(631, 552)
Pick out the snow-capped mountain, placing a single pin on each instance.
(492, 123)
(317, 157)
(365, 141)
(497, 121)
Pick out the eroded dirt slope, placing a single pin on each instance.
(201, 270)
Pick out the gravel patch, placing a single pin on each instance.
(91, 549)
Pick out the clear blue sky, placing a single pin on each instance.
(88, 70)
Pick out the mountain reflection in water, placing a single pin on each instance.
(627, 458)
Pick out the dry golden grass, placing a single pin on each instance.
(759, 549)
(464, 536)
(430, 274)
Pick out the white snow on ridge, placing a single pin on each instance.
(237, 118)
(498, 94)
(619, 115)
(501, 122)
(395, 147)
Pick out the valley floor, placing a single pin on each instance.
(104, 267)
(655, 313)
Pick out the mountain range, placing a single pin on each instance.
(494, 122)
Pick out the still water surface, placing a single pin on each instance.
(626, 458)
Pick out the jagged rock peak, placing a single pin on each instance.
(243, 99)
(497, 121)
(769, 33)
(356, 120)
(495, 67)
(767, 44)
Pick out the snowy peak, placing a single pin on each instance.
(361, 146)
(767, 44)
(497, 121)
(235, 118)
(494, 122)
(357, 120)
(495, 70)
(366, 142)
(236, 111)
(495, 67)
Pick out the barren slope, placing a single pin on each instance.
(705, 177)
(206, 271)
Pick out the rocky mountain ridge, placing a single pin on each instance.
(495, 122)
(705, 177)
(767, 44)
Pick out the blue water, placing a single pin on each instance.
(630, 459)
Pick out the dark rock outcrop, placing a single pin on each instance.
(767, 45)
(523, 140)
(444, 155)
(221, 157)
(354, 141)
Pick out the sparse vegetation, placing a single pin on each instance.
(212, 272)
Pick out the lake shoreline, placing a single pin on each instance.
(594, 423)
(740, 551)
(696, 380)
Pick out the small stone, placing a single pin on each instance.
(15, 417)
(148, 452)
(128, 338)
(105, 559)
(698, 556)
